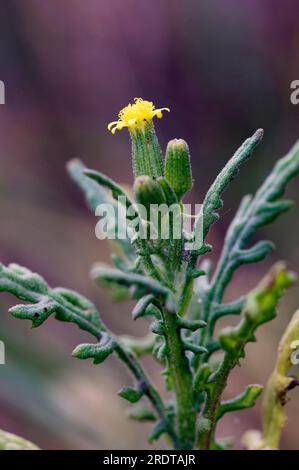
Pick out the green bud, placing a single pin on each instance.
(148, 191)
(178, 167)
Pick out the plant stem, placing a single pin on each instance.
(187, 288)
(185, 413)
(149, 389)
(136, 369)
(214, 394)
(140, 375)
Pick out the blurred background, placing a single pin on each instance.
(224, 69)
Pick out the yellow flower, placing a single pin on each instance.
(135, 115)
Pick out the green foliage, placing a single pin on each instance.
(181, 299)
(98, 352)
(213, 202)
(245, 400)
(141, 413)
(72, 307)
(65, 304)
(259, 308)
(130, 394)
(96, 194)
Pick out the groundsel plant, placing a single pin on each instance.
(176, 290)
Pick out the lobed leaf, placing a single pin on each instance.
(213, 201)
(95, 195)
(247, 399)
(98, 352)
(65, 304)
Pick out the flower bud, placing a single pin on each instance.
(178, 168)
(148, 191)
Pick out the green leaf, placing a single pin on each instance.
(260, 307)
(141, 306)
(95, 195)
(157, 431)
(65, 304)
(191, 325)
(201, 377)
(102, 272)
(253, 213)
(188, 346)
(158, 328)
(247, 399)
(130, 394)
(142, 413)
(69, 306)
(230, 308)
(213, 201)
(98, 352)
(108, 183)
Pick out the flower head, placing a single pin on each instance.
(135, 115)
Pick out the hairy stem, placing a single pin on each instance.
(260, 308)
(206, 436)
(149, 389)
(185, 413)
